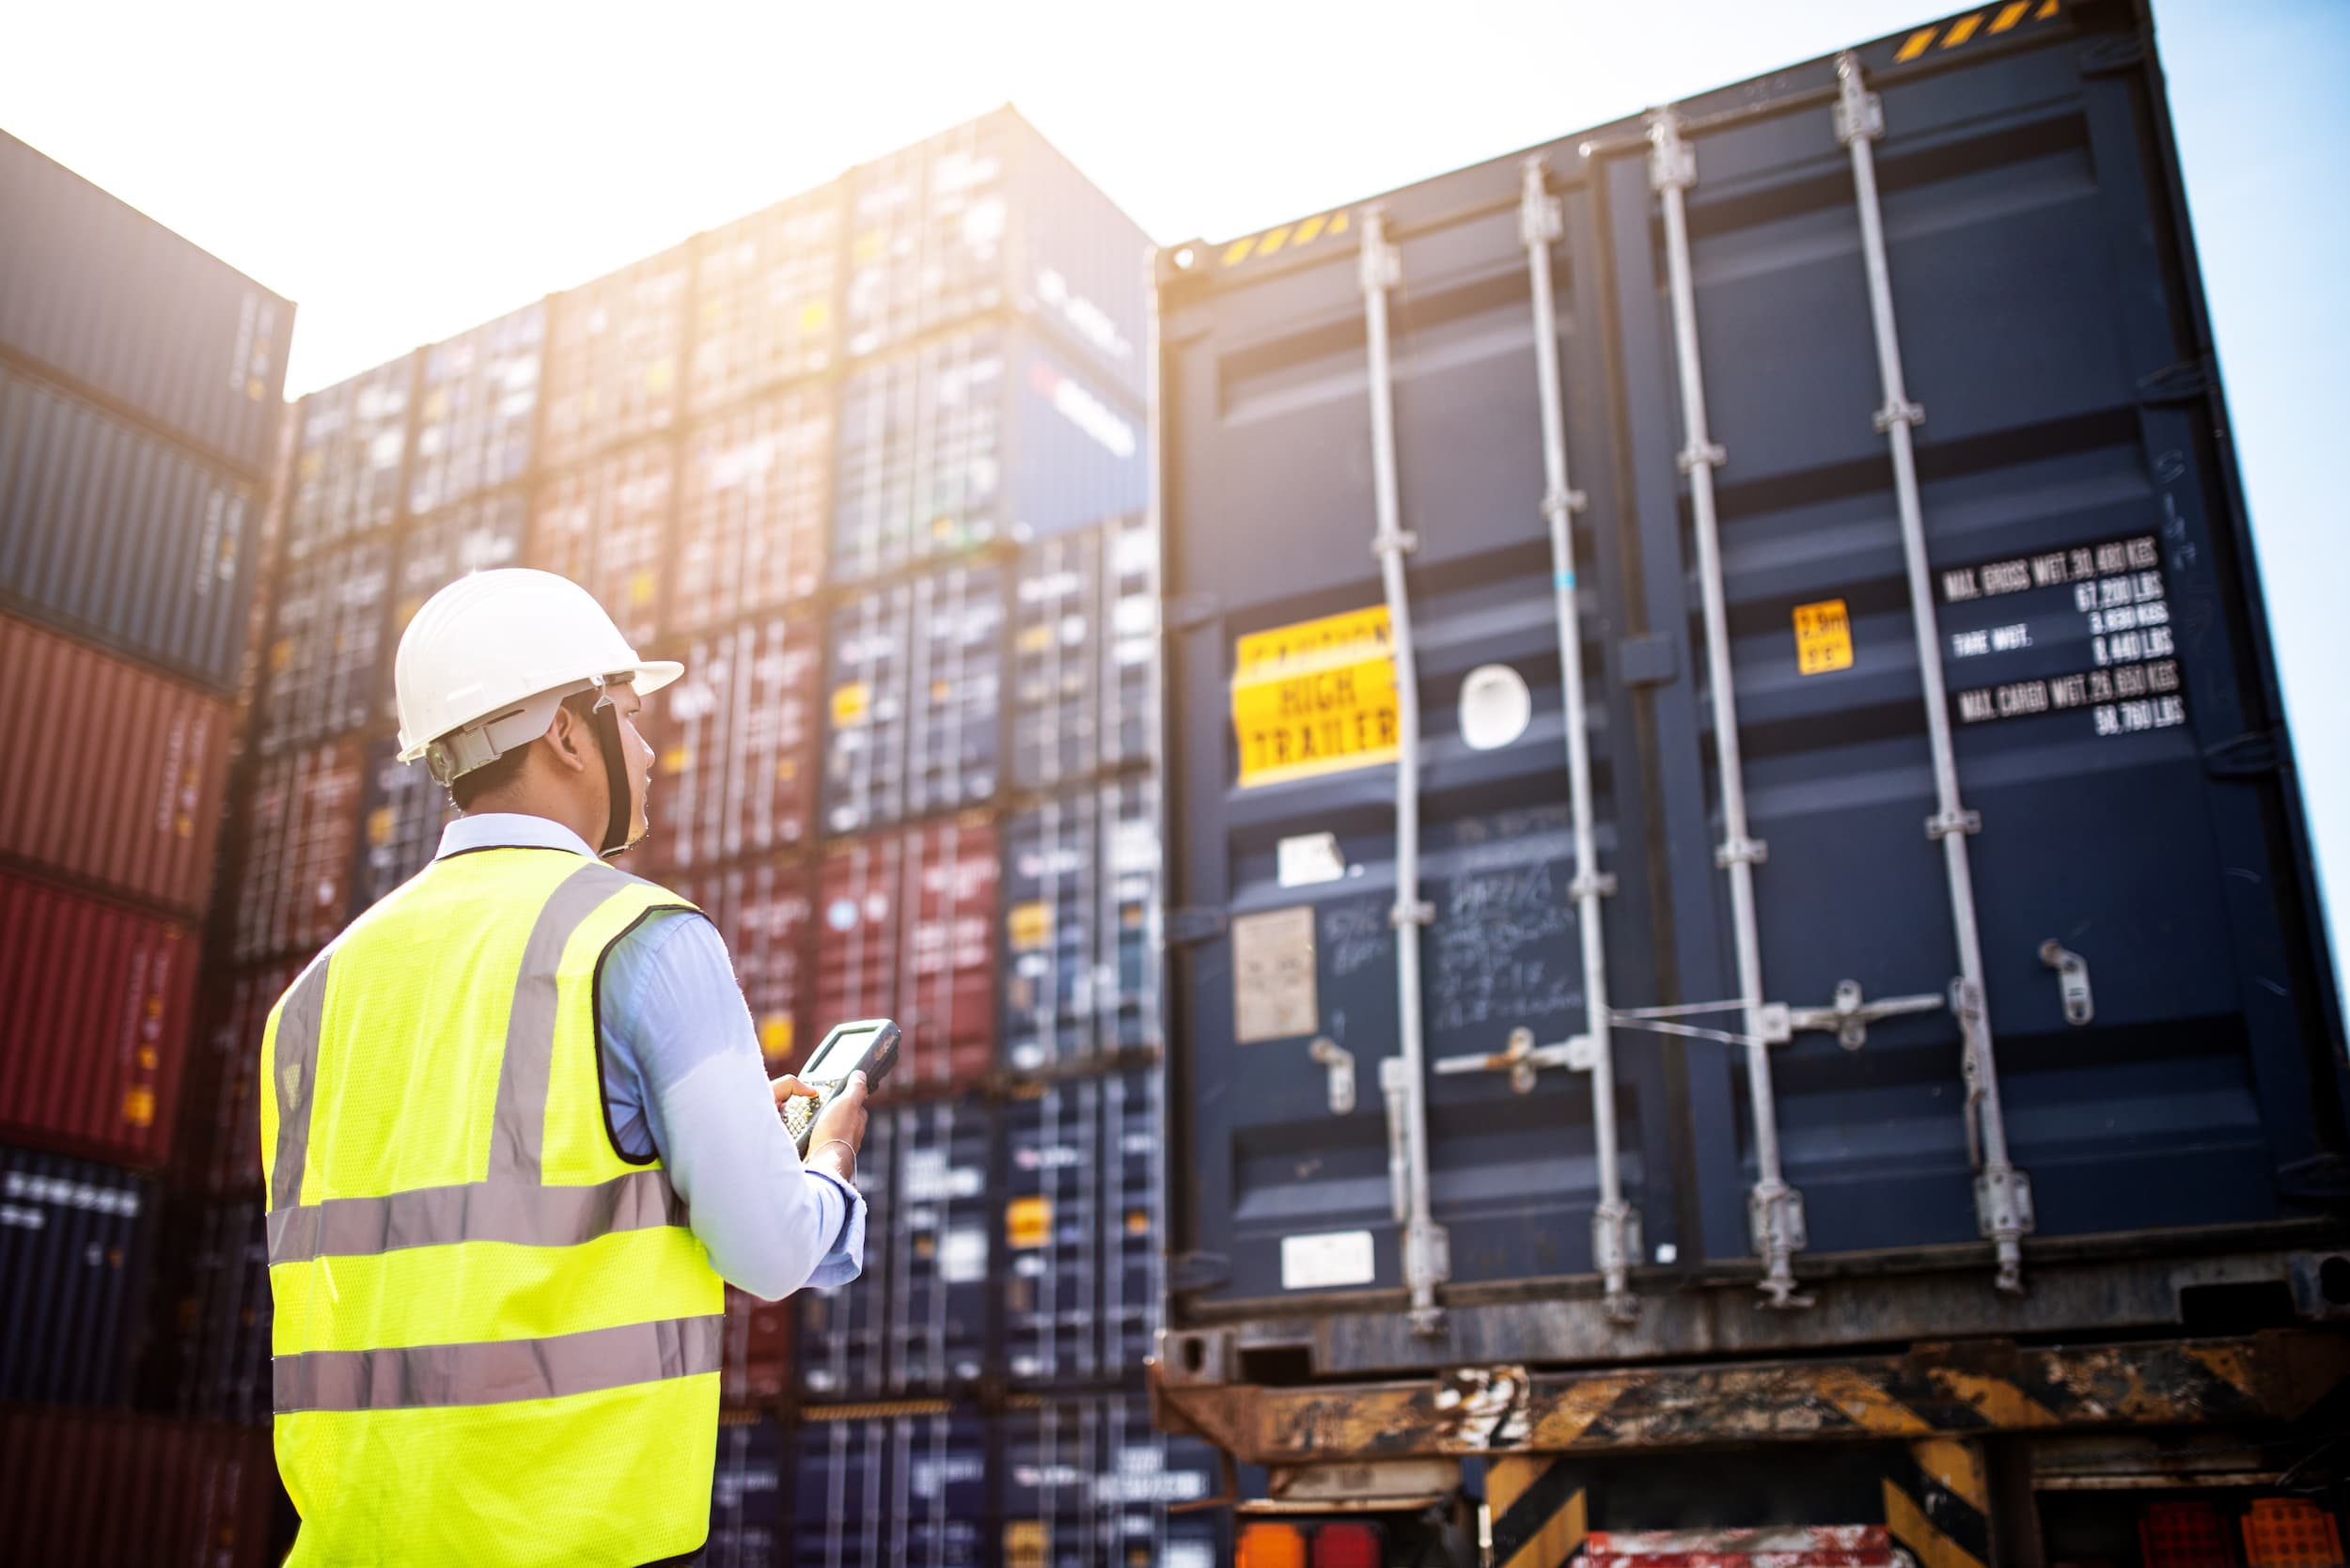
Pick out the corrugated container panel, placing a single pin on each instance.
(120, 771)
(349, 459)
(76, 1247)
(915, 703)
(1084, 642)
(95, 1032)
(225, 1314)
(1087, 1481)
(1084, 1226)
(616, 358)
(753, 515)
(764, 310)
(942, 1220)
(756, 1357)
(117, 303)
(990, 216)
(746, 1495)
(301, 846)
(738, 731)
(902, 1489)
(100, 1489)
(983, 433)
(763, 909)
(1081, 898)
(605, 526)
(401, 818)
(906, 931)
(327, 660)
(116, 536)
(477, 410)
(222, 1135)
(841, 1351)
(480, 534)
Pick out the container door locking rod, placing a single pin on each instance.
(2002, 1193)
(1402, 1077)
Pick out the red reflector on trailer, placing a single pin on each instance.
(2287, 1532)
(2183, 1535)
(1350, 1543)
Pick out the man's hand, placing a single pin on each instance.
(839, 1130)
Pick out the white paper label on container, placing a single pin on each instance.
(1495, 707)
(1322, 1262)
(1187, 1554)
(963, 1256)
(1310, 859)
(1273, 975)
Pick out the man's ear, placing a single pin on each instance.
(568, 737)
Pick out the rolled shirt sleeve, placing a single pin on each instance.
(684, 1077)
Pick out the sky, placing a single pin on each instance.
(406, 171)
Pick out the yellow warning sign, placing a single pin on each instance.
(1029, 1221)
(1823, 637)
(1315, 697)
(1028, 926)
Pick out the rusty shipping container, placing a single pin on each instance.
(763, 909)
(76, 1247)
(120, 537)
(738, 734)
(350, 458)
(96, 1027)
(99, 1489)
(764, 300)
(299, 846)
(751, 518)
(123, 786)
(116, 304)
(477, 410)
(906, 930)
(616, 358)
(328, 659)
(756, 1350)
(605, 526)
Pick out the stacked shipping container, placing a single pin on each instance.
(140, 395)
(870, 464)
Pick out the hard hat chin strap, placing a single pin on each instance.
(606, 721)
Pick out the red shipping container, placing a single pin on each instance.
(758, 1349)
(98, 1489)
(120, 783)
(95, 1031)
(223, 1135)
(301, 843)
(737, 735)
(605, 526)
(754, 509)
(908, 931)
(763, 911)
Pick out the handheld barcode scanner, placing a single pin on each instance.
(869, 1045)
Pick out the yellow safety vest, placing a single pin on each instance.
(496, 1342)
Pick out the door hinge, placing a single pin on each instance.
(1648, 661)
(2186, 381)
(1187, 926)
(1198, 1271)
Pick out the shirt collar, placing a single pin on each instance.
(510, 830)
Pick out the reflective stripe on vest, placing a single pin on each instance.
(526, 1331)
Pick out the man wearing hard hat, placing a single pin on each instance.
(517, 1134)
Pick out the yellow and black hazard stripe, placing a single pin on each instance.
(1938, 1502)
(1540, 1514)
(1989, 22)
(1289, 236)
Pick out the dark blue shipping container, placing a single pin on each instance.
(988, 217)
(477, 410)
(840, 1349)
(110, 533)
(477, 535)
(939, 1245)
(907, 1486)
(914, 709)
(983, 433)
(1087, 1481)
(327, 661)
(76, 1246)
(1085, 649)
(350, 458)
(401, 815)
(225, 1317)
(1081, 911)
(2074, 984)
(745, 1495)
(115, 304)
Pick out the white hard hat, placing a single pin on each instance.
(492, 656)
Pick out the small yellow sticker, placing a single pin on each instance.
(1315, 697)
(1028, 926)
(775, 1037)
(849, 703)
(380, 825)
(1823, 637)
(1029, 1221)
(138, 1107)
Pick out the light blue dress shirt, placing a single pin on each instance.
(684, 1078)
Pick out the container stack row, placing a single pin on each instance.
(870, 463)
(141, 394)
